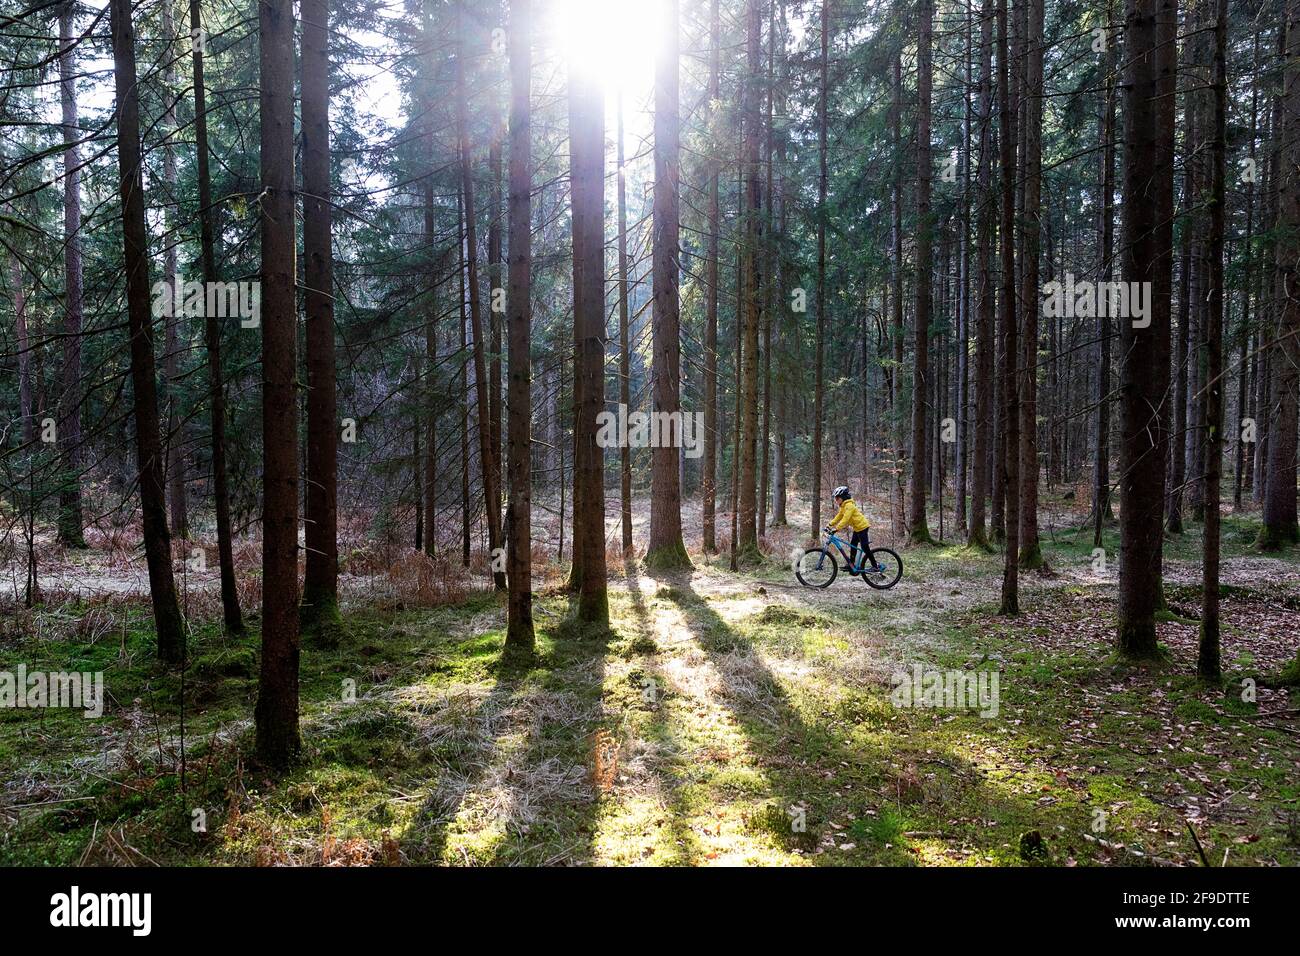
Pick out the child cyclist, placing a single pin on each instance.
(850, 516)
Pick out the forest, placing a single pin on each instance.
(649, 432)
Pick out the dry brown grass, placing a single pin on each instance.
(418, 580)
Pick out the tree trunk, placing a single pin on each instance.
(465, 522)
(175, 444)
(417, 476)
(496, 307)
(574, 578)
(899, 334)
(157, 541)
(1245, 354)
(1181, 402)
(666, 550)
(26, 415)
(1031, 554)
(963, 301)
(819, 397)
(1010, 463)
(488, 469)
(1207, 660)
(977, 536)
(1147, 256)
(751, 205)
(1196, 369)
(779, 305)
(320, 600)
(231, 614)
(519, 610)
(918, 531)
(430, 404)
(1269, 306)
(587, 172)
(69, 437)
(708, 490)
(1101, 509)
(624, 358)
(769, 273)
(1258, 471)
(1280, 527)
(278, 741)
(738, 368)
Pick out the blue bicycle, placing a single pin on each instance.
(880, 568)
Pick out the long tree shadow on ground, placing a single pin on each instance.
(810, 766)
(654, 770)
(531, 781)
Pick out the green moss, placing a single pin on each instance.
(785, 826)
(671, 557)
(237, 661)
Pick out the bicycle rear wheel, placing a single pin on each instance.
(891, 569)
(816, 568)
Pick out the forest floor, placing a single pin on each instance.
(724, 719)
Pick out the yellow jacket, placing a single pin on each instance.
(849, 516)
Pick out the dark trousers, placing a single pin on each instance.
(858, 543)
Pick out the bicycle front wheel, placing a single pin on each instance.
(816, 568)
(890, 567)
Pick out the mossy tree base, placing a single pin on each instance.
(517, 657)
(1108, 518)
(749, 555)
(1277, 537)
(1136, 643)
(592, 611)
(1211, 677)
(74, 540)
(278, 739)
(668, 557)
(575, 628)
(279, 752)
(1030, 558)
(319, 618)
(978, 540)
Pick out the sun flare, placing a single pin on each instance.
(615, 38)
